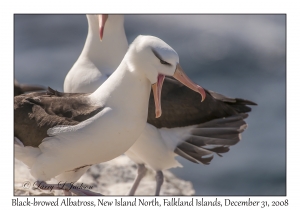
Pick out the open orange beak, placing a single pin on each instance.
(181, 77)
(156, 88)
(102, 20)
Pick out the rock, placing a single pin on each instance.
(111, 178)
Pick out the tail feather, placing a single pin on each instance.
(31, 88)
(213, 137)
(22, 88)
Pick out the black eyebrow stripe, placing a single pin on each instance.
(158, 56)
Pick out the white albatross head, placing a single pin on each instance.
(157, 59)
(107, 22)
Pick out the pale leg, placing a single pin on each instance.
(141, 172)
(159, 181)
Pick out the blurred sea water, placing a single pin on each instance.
(236, 55)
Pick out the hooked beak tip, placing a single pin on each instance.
(157, 114)
(202, 93)
(102, 21)
(101, 33)
(183, 78)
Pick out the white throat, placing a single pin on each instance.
(114, 44)
(98, 60)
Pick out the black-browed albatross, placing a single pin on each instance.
(63, 133)
(186, 130)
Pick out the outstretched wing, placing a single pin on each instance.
(213, 137)
(182, 106)
(35, 113)
(219, 120)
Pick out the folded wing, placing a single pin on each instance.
(35, 113)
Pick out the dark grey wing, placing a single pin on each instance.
(240, 105)
(35, 113)
(23, 88)
(183, 107)
(213, 137)
(220, 120)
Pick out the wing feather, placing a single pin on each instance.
(35, 113)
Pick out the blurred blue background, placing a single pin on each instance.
(237, 55)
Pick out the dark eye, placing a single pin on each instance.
(164, 62)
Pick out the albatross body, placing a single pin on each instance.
(59, 133)
(97, 139)
(188, 128)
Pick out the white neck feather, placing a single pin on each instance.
(114, 44)
(127, 86)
